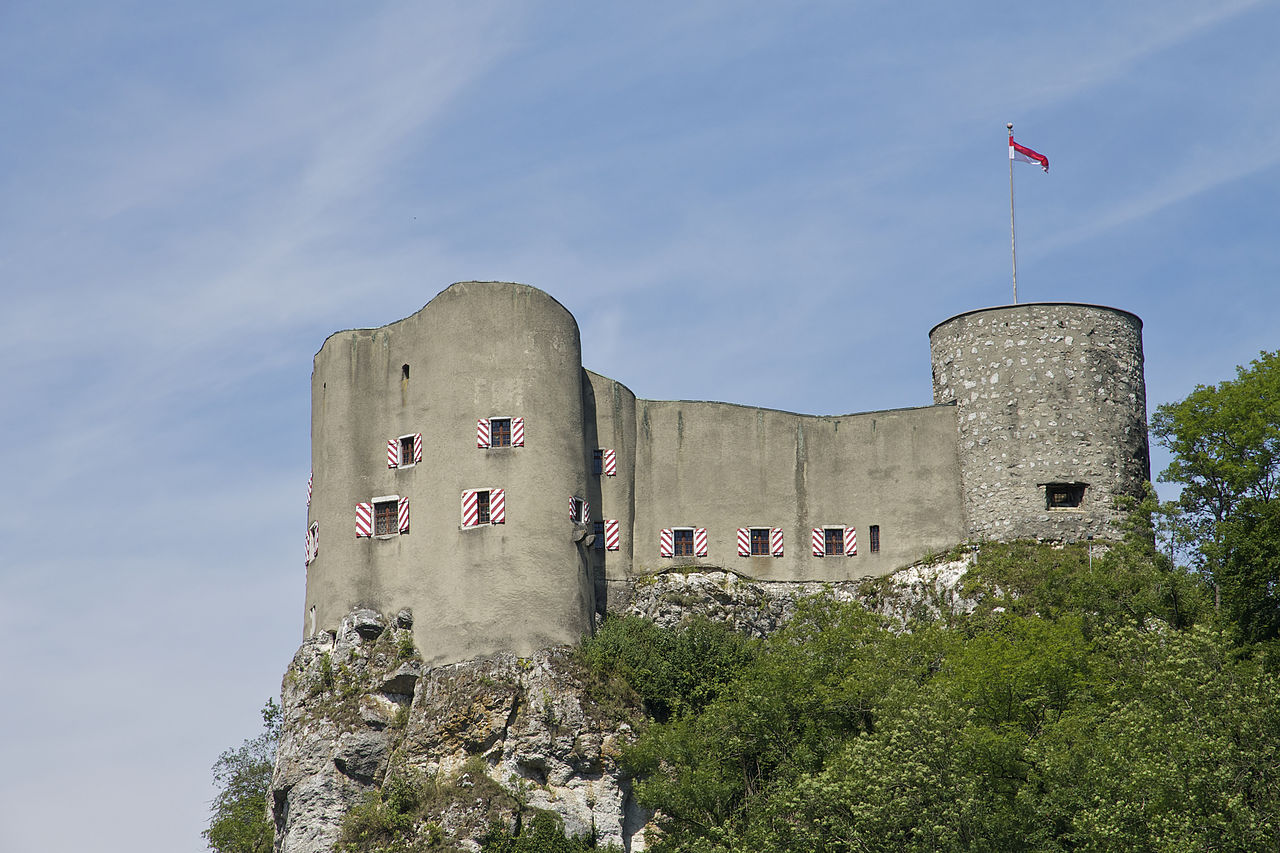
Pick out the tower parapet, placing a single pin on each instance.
(1051, 416)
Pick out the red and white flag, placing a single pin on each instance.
(1026, 155)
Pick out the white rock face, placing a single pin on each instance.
(500, 735)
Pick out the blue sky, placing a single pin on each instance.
(762, 203)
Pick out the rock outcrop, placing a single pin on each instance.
(493, 739)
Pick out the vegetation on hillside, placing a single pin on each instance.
(239, 823)
(1100, 698)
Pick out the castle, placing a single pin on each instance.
(465, 466)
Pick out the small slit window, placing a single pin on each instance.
(404, 372)
(597, 462)
(482, 507)
(598, 529)
(874, 533)
(1063, 495)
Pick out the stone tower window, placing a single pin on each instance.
(385, 517)
(834, 541)
(404, 372)
(683, 542)
(406, 450)
(1064, 495)
(760, 541)
(874, 531)
(500, 432)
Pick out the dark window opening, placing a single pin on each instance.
(683, 543)
(597, 462)
(1063, 495)
(482, 507)
(835, 541)
(575, 510)
(759, 541)
(598, 529)
(875, 538)
(406, 450)
(404, 371)
(385, 516)
(500, 432)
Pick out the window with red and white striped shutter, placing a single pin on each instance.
(364, 519)
(497, 506)
(850, 542)
(744, 542)
(699, 541)
(819, 542)
(417, 447)
(611, 538)
(517, 432)
(482, 433)
(470, 508)
(666, 543)
(310, 478)
(313, 542)
(610, 463)
(393, 453)
(775, 541)
(403, 516)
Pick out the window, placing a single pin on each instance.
(384, 517)
(682, 542)
(604, 461)
(404, 451)
(500, 432)
(404, 372)
(598, 529)
(1063, 495)
(759, 541)
(597, 462)
(579, 511)
(834, 541)
(874, 532)
(483, 506)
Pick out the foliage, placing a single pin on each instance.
(1102, 710)
(239, 823)
(674, 672)
(542, 834)
(1225, 441)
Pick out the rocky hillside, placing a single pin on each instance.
(492, 741)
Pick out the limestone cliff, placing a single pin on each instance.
(493, 739)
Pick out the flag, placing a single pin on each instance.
(1026, 155)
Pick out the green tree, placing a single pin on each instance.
(239, 823)
(1225, 441)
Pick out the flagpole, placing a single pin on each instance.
(1013, 234)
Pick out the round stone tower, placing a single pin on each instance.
(1051, 416)
(445, 450)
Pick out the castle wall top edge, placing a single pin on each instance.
(1019, 305)
(509, 284)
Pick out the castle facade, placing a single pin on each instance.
(467, 467)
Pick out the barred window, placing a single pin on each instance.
(500, 432)
(683, 542)
(406, 450)
(385, 517)
(834, 541)
(482, 506)
(875, 538)
(1063, 495)
(598, 529)
(759, 541)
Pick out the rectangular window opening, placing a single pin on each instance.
(598, 529)
(597, 462)
(874, 532)
(406, 450)
(760, 542)
(1063, 495)
(834, 541)
(482, 507)
(683, 542)
(386, 518)
(500, 432)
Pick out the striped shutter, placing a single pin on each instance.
(417, 447)
(775, 541)
(364, 519)
(699, 541)
(819, 542)
(482, 433)
(586, 512)
(393, 453)
(497, 506)
(313, 542)
(610, 463)
(666, 543)
(744, 542)
(470, 509)
(611, 542)
(517, 432)
(310, 478)
(850, 542)
(403, 518)
(573, 509)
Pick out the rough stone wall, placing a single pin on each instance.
(1045, 393)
